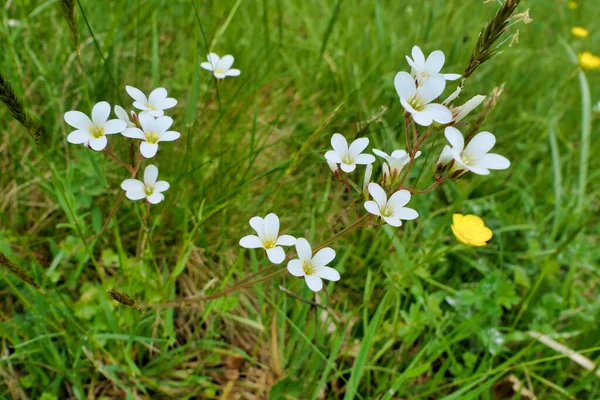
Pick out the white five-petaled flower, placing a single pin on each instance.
(153, 104)
(123, 116)
(475, 156)
(423, 69)
(392, 210)
(348, 157)
(417, 100)
(313, 268)
(268, 238)
(154, 130)
(93, 131)
(150, 189)
(221, 67)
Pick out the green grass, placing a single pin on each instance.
(416, 315)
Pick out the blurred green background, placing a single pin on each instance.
(416, 315)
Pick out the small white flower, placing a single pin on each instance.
(153, 104)
(123, 116)
(154, 130)
(395, 161)
(348, 157)
(150, 189)
(416, 100)
(221, 67)
(423, 69)
(392, 211)
(313, 269)
(93, 131)
(452, 97)
(367, 179)
(464, 110)
(475, 156)
(268, 238)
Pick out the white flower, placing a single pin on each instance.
(221, 67)
(464, 110)
(93, 131)
(154, 130)
(123, 116)
(348, 157)
(392, 211)
(268, 238)
(395, 161)
(475, 156)
(417, 100)
(423, 69)
(153, 104)
(150, 189)
(313, 269)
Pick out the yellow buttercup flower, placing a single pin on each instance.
(470, 230)
(580, 32)
(589, 61)
(572, 5)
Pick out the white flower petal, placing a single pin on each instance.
(233, 72)
(328, 273)
(286, 240)
(477, 169)
(323, 257)
(150, 175)
(422, 118)
(161, 186)
(438, 113)
(167, 103)
(339, 144)
(271, 226)
(399, 199)
(258, 224)
(276, 255)
(332, 156)
(372, 207)
(392, 221)
(78, 120)
(432, 88)
(381, 154)
(348, 167)
(147, 121)
(303, 249)
(100, 113)
(155, 198)
(313, 282)
(364, 159)
(157, 95)
(156, 113)
(251, 242)
(122, 114)
(451, 77)
(405, 85)
(169, 136)
(114, 126)
(493, 161)
(480, 144)
(455, 138)
(207, 66)
(134, 189)
(469, 106)
(98, 144)
(295, 268)
(418, 56)
(358, 146)
(140, 106)
(435, 61)
(406, 213)
(134, 133)
(162, 124)
(378, 194)
(148, 150)
(226, 62)
(78, 137)
(136, 94)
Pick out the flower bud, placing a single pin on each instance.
(462, 111)
(135, 119)
(367, 180)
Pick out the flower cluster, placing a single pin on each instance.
(150, 125)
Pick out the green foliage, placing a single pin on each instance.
(415, 315)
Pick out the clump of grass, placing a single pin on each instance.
(68, 7)
(484, 48)
(126, 300)
(17, 110)
(12, 267)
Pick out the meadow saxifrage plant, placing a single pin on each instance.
(150, 189)
(267, 237)
(313, 268)
(93, 131)
(220, 67)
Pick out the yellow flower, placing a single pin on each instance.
(470, 230)
(589, 61)
(572, 5)
(580, 32)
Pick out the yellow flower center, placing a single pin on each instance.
(416, 103)
(96, 131)
(220, 71)
(151, 107)
(386, 211)
(468, 159)
(269, 243)
(348, 159)
(151, 137)
(308, 268)
(149, 190)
